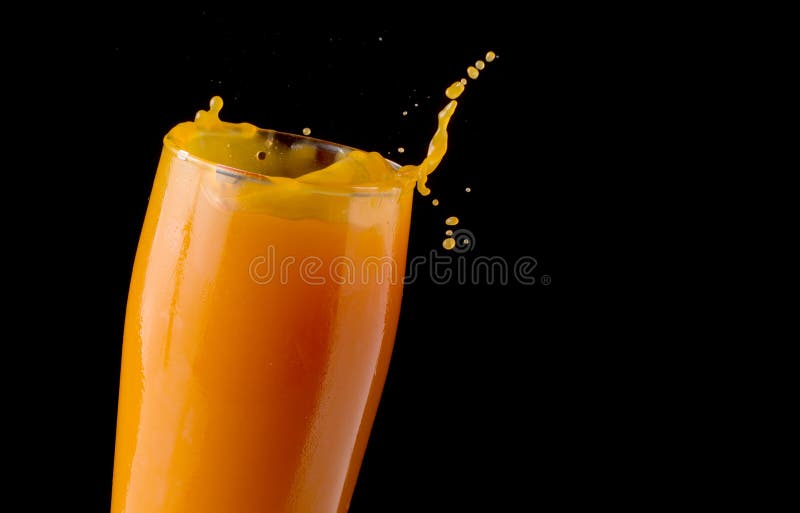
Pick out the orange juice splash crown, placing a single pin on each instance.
(245, 147)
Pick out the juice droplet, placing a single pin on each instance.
(401, 150)
(464, 81)
(306, 131)
(473, 72)
(468, 189)
(455, 90)
(465, 241)
(480, 64)
(490, 56)
(209, 118)
(435, 202)
(215, 105)
(449, 233)
(405, 113)
(451, 221)
(449, 243)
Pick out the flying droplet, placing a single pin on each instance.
(306, 131)
(468, 189)
(451, 221)
(449, 243)
(449, 233)
(473, 72)
(464, 81)
(480, 65)
(405, 113)
(401, 150)
(435, 202)
(490, 56)
(455, 90)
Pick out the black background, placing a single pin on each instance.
(496, 395)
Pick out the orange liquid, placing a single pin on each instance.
(261, 317)
(239, 395)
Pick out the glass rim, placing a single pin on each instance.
(170, 142)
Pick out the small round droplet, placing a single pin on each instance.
(464, 81)
(449, 243)
(468, 189)
(465, 241)
(405, 113)
(306, 131)
(416, 105)
(490, 56)
(401, 150)
(473, 72)
(451, 221)
(215, 105)
(480, 65)
(261, 155)
(455, 90)
(449, 233)
(435, 202)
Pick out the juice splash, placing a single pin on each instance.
(296, 166)
(235, 143)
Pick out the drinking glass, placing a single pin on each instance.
(260, 323)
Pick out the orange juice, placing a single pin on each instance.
(261, 317)
(249, 383)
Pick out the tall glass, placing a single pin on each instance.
(260, 322)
